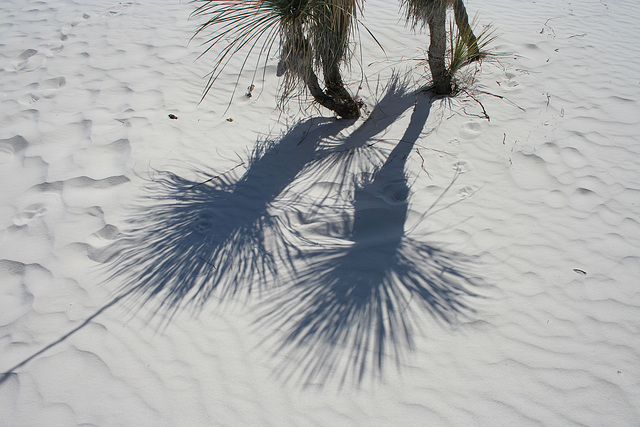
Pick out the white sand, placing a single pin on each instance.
(299, 288)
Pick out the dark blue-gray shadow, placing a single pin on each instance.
(225, 237)
(358, 304)
(348, 308)
(200, 238)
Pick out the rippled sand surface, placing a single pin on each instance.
(464, 261)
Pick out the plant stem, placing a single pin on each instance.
(437, 50)
(462, 22)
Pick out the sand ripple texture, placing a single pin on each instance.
(463, 262)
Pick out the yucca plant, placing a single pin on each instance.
(463, 52)
(312, 37)
(465, 44)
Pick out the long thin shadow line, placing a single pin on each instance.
(6, 375)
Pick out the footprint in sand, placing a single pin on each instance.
(29, 99)
(470, 130)
(16, 299)
(462, 166)
(509, 81)
(203, 224)
(119, 10)
(54, 83)
(397, 192)
(29, 214)
(45, 89)
(27, 60)
(66, 28)
(24, 56)
(466, 192)
(11, 147)
(394, 193)
(50, 86)
(55, 49)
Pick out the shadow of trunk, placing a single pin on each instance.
(358, 303)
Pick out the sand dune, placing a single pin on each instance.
(470, 261)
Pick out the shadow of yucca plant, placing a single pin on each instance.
(357, 302)
(312, 38)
